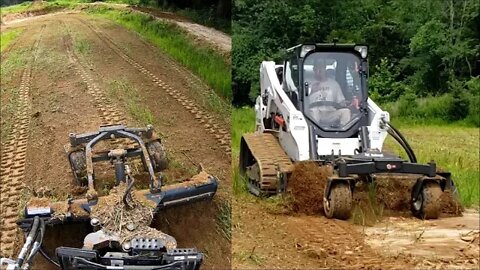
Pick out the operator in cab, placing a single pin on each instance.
(326, 102)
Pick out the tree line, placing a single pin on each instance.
(417, 48)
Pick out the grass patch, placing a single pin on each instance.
(128, 95)
(25, 6)
(224, 220)
(15, 61)
(44, 6)
(8, 37)
(82, 46)
(454, 148)
(239, 182)
(203, 61)
(243, 121)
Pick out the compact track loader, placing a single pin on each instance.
(120, 236)
(315, 106)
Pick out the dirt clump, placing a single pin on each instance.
(450, 206)
(306, 186)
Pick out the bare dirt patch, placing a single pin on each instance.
(450, 242)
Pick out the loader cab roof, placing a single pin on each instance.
(327, 82)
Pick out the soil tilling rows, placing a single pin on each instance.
(12, 166)
(221, 134)
(75, 97)
(105, 108)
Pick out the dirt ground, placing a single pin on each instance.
(291, 232)
(78, 62)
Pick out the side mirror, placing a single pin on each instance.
(307, 89)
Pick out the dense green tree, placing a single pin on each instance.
(423, 47)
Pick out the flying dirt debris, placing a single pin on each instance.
(120, 235)
(315, 107)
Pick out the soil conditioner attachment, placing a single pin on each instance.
(120, 236)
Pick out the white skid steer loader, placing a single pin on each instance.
(315, 106)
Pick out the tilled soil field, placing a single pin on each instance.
(292, 232)
(71, 66)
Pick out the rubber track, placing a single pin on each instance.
(222, 135)
(270, 157)
(12, 164)
(106, 110)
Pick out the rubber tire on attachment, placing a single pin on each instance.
(429, 206)
(158, 156)
(340, 203)
(78, 162)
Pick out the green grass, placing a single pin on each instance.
(454, 148)
(205, 62)
(8, 37)
(16, 60)
(243, 121)
(17, 8)
(82, 46)
(46, 6)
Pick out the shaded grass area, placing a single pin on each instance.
(454, 147)
(8, 37)
(205, 62)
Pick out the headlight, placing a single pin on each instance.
(306, 49)
(362, 50)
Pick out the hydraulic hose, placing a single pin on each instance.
(28, 242)
(399, 140)
(38, 242)
(45, 255)
(407, 147)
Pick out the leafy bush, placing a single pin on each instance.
(407, 105)
(473, 87)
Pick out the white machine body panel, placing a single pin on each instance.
(293, 136)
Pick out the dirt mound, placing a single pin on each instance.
(307, 185)
(393, 192)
